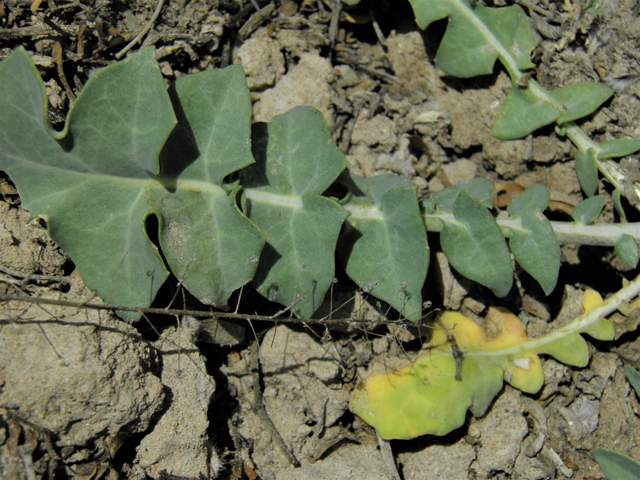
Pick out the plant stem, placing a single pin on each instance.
(579, 325)
(601, 234)
(610, 170)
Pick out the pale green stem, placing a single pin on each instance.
(609, 169)
(601, 234)
(505, 57)
(580, 324)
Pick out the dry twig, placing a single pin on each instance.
(144, 31)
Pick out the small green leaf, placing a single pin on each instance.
(383, 247)
(617, 148)
(615, 465)
(627, 250)
(616, 196)
(581, 100)
(444, 200)
(535, 247)
(589, 210)
(477, 35)
(587, 171)
(522, 113)
(633, 376)
(376, 187)
(428, 205)
(533, 197)
(475, 246)
(479, 188)
(429, 11)
(571, 349)
(534, 244)
(600, 329)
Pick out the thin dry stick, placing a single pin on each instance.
(180, 289)
(255, 21)
(252, 259)
(336, 9)
(195, 313)
(348, 131)
(377, 29)
(32, 276)
(455, 349)
(45, 333)
(35, 5)
(144, 31)
(260, 410)
(57, 58)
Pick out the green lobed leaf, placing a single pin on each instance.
(580, 100)
(615, 465)
(626, 248)
(297, 266)
(214, 110)
(201, 221)
(534, 244)
(199, 238)
(481, 189)
(88, 181)
(283, 197)
(477, 35)
(383, 247)
(475, 246)
(295, 154)
(428, 11)
(587, 170)
(522, 113)
(587, 211)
